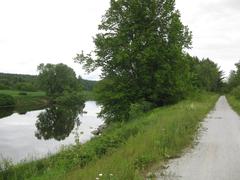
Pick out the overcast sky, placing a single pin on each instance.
(53, 31)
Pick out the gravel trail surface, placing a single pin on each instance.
(217, 154)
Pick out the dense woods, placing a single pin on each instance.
(141, 51)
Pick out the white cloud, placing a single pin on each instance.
(215, 25)
(47, 32)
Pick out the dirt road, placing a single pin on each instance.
(217, 155)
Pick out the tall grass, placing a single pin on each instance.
(234, 102)
(124, 151)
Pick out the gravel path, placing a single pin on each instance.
(217, 155)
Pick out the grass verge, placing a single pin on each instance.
(234, 103)
(123, 151)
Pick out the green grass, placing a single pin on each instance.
(128, 151)
(234, 103)
(16, 93)
(29, 101)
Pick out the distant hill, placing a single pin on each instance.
(29, 82)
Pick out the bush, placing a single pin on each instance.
(137, 109)
(6, 100)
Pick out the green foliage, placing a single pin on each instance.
(29, 82)
(6, 100)
(236, 92)
(26, 86)
(234, 101)
(89, 95)
(70, 99)
(234, 78)
(56, 79)
(140, 52)
(138, 109)
(205, 74)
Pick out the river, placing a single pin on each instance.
(36, 134)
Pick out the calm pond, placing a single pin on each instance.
(36, 134)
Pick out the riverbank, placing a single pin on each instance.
(27, 100)
(123, 151)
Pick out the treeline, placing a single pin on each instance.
(141, 52)
(233, 84)
(18, 82)
(30, 83)
(205, 74)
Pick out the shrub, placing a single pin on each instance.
(139, 108)
(6, 100)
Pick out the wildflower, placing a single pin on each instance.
(100, 175)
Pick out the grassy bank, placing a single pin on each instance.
(27, 100)
(234, 102)
(123, 151)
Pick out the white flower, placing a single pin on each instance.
(100, 175)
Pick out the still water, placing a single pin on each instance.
(36, 134)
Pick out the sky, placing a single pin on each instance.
(54, 31)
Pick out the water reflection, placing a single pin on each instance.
(57, 122)
(17, 132)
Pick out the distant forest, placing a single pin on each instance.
(24, 82)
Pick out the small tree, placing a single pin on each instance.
(57, 79)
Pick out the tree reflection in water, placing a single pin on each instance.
(58, 122)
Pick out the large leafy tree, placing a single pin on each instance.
(140, 51)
